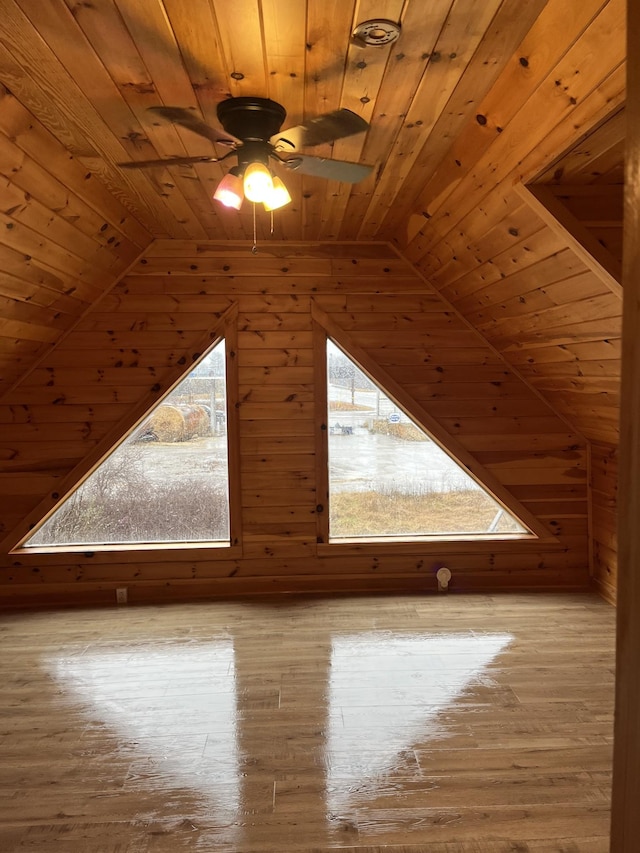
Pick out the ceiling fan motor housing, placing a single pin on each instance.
(251, 119)
(253, 152)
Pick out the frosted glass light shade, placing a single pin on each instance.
(258, 183)
(230, 192)
(278, 197)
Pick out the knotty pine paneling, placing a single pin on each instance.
(554, 115)
(543, 310)
(63, 240)
(565, 77)
(589, 181)
(599, 208)
(555, 322)
(146, 332)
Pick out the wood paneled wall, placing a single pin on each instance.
(551, 317)
(552, 309)
(146, 332)
(540, 303)
(589, 180)
(64, 239)
(540, 306)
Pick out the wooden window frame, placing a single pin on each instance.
(324, 328)
(224, 329)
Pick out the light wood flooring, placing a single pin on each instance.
(443, 724)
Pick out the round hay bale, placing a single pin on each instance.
(167, 422)
(193, 417)
(202, 423)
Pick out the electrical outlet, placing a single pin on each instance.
(121, 595)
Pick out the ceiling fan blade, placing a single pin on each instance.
(185, 118)
(333, 170)
(324, 128)
(168, 161)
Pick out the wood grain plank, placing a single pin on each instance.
(599, 261)
(580, 82)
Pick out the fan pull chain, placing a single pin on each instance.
(271, 223)
(254, 248)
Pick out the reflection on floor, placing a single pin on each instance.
(142, 692)
(387, 691)
(439, 724)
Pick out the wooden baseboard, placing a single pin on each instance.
(157, 592)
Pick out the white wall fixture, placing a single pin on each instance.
(443, 576)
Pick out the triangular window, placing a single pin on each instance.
(167, 482)
(388, 477)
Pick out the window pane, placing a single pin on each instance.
(167, 482)
(387, 477)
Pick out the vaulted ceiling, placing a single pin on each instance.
(90, 71)
(476, 100)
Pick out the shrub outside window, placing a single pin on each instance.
(166, 482)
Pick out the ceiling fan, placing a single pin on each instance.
(254, 133)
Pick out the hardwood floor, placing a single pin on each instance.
(444, 724)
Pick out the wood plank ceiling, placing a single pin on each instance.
(89, 71)
(475, 96)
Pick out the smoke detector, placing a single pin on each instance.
(377, 32)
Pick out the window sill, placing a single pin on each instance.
(218, 550)
(437, 546)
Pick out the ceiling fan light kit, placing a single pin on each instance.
(257, 185)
